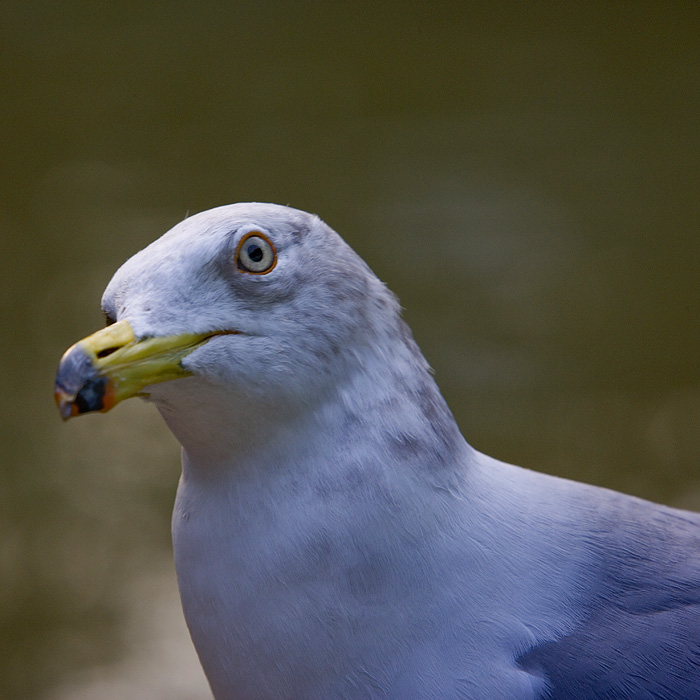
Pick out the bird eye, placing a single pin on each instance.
(255, 254)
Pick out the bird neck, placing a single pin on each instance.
(385, 400)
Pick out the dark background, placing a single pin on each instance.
(524, 176)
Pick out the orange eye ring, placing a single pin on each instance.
(256, 254)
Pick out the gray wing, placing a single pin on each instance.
(640, 635)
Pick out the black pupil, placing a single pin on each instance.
(255, 252)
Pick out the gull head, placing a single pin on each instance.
(242, 308)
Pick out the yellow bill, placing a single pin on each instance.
(111, 365)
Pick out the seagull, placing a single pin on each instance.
(334, 534)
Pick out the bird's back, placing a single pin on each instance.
(639, 633)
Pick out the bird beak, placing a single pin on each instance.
(111, 365)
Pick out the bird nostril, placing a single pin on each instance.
(107, 351)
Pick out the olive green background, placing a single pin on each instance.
(525, 176)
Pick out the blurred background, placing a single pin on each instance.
(525, 176)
